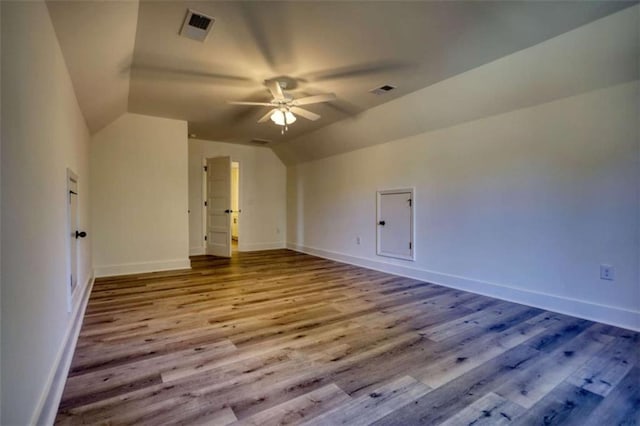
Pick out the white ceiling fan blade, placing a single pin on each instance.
(315, 99)
(275, 89)
(250, 103)
(304, 113)
(266, 116)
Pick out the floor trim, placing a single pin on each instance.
(141, 267)
(47, 407)
(261, 246)
(197, 251)
(578, 308)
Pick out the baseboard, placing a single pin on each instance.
(47, 407)
(261, 246)
(141, 267)
(196, 251)
(564, 305)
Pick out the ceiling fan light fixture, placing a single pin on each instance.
(278, 117)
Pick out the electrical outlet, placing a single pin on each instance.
(607, 272)
(358, 240)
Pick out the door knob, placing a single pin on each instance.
(80, 234)
(381, 223)
(228, 211)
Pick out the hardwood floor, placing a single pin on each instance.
(279, 337)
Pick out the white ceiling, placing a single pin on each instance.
(344, 47)
(97, 40)
(600, 55)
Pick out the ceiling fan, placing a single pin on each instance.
(284, 106)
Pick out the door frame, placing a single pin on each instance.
(239, 202)
(412, 221)
(70, 291)
(203, 207)
(203, 195)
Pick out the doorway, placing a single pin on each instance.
(221, 206)
(235, 205)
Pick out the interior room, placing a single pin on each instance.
(310, 212)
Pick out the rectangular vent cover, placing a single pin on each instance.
(196, 25)
(199, 21)
(382, 89)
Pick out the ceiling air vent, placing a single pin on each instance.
(196, 25)
(382, 89)
(260, 141)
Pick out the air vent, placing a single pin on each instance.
(199, 21)
(260, 141)
(196, 25)
(382, 89)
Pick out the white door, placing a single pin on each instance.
(219, 206)
(395, 224)
(235, 204)
(72, 217)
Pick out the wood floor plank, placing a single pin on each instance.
(606, 369)
(566, 404)
(471, 354)
(622, 405)
(301, 408)
(447, 400)
(280, 337)
(122, 377)
(489, 410)
(533, 384)
(491, 317)
(368, 408)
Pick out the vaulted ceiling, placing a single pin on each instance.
(128, 56)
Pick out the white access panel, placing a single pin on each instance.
(395, 224)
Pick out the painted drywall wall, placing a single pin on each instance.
(43, 133)
(262, 223)
(140, 195)
(524, 205)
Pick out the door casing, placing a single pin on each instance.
(72, 241)
(404, 231)
(218, 207)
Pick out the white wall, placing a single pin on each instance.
(43, 133)
(523, 205)
(262, 223)
(520, 205)
(139, 205)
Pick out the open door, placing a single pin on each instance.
(219, 206)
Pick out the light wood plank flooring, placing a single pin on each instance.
(279, 337)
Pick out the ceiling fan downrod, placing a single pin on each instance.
(286, 126)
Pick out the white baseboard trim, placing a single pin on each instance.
(196, 251)
(141, 267)
(578, 308)
(261, 246)
(47, 407)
